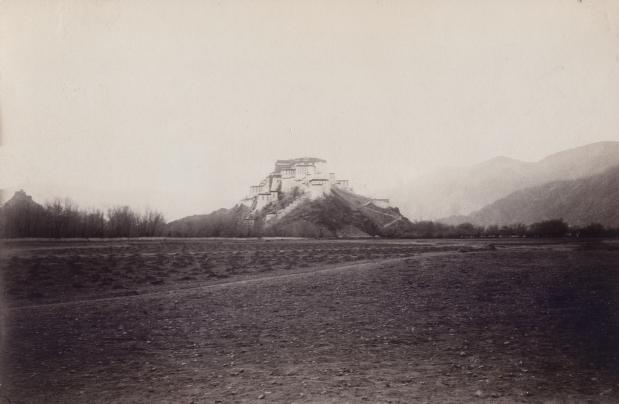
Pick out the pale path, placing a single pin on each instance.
(253, 279)
(395, 218)
(392, 222)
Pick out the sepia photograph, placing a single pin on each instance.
(309, 201)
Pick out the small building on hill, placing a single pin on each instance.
(308, 174)
(381, 202)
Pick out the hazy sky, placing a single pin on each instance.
(181, 105)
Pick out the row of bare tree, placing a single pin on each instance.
(62, 218)
(547, 228)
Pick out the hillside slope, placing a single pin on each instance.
(579, 202)
(340, 214)
(463, 190)
(337, 214)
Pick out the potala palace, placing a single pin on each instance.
(309, 174)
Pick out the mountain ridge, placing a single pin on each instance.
(581, 201)
(462, 190)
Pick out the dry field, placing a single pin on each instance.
(202, 321)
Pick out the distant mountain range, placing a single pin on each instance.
(460, 191)
(579, 202)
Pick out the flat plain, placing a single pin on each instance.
(331, 321)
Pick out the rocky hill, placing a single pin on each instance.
(579, 202)
(339, 214)
(21, 216)
(463, 190)
(300, 199)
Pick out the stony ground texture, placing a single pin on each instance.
(320, 322)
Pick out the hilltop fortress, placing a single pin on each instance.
(300, 198)
(308, 174)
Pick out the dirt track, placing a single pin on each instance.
(520, 324)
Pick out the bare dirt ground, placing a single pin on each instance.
(169, 321)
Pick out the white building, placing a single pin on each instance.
(381, 202)
(319, 185)
(343, 184)
(306, 173)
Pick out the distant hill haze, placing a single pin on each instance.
(21, 199)
(463, 190)
(579, 202)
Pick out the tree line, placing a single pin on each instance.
(64, 219)
(22, 217)
(546, 228)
